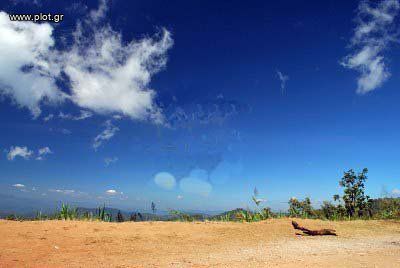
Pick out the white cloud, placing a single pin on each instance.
(26, 74)
(165, 180)
(196, 183)
(21, 187)
(112, 192)
(372, 35)
(110, 160)
(23, 152)
(105, 135)
(283, 78)
(107, 75)
(179, 197)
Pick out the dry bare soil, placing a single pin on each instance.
(271, 243)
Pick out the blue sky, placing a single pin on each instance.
(192, 104)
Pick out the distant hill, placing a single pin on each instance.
(24, 210)
(24, 207)
(29, 207)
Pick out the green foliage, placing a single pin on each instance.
(180, 216)
(245, 215)
(299, 208)
(253, 216)
(332, 212)
(386, 208)
(102, 215)
(67, 213)
(226, 217)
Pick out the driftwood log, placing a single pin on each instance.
(313, 232)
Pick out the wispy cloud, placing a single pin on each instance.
(110, 160)
(18, 185)
(48, 117)
(374, 31)
(105, 135)
(42, 152)
(83, 115)
(214, 111)
(62, 191)
(18, 151)
(107, 75)
(283, 78)
(24, 152)
(61, 130)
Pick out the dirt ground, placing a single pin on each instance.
(272, 243)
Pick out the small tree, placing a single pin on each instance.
(355, 201)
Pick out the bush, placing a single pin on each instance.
(120, 217)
